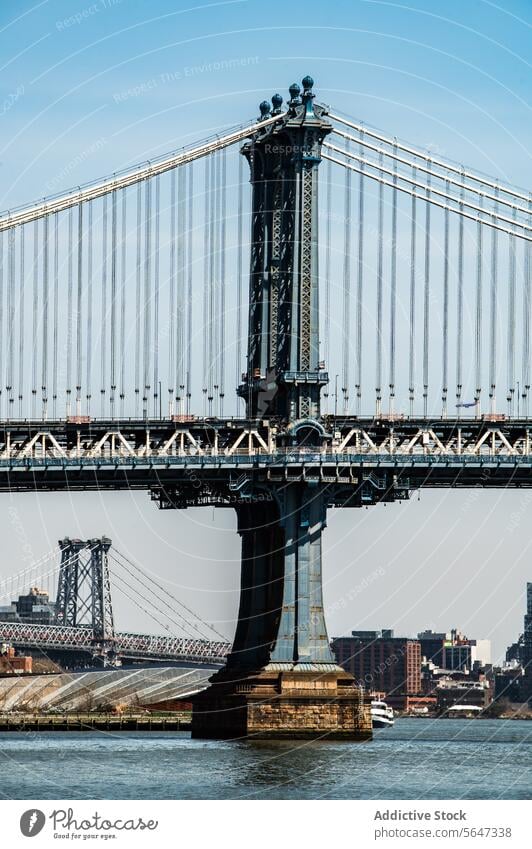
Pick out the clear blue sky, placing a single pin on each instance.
(89, 87)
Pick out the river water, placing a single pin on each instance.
(416, 759)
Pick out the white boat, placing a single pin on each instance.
(381, 715)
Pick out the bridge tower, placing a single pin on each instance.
(84, 590)
(281, 679)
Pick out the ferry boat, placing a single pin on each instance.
(381, 715)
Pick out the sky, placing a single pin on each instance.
(90, 88)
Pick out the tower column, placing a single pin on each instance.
(281, 679)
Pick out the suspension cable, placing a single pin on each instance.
(360, 288)
(223, 238)
(411, 352)
(10, 313)
(443, 177)
(123, 277)
(511, 323)
(21, 324)
(56, 315)
(349, 166)
(445, 346)
(156, 263)
(45, 281)
(190, 231)
(239, 293)
(448, 166)
(495, 217)
(137, 297)
(78, 310)
(113, 334)
(206, 242)
(35, 323)
(380, 249)
(393, 295)
(147, 297)
(459, 308)
(103, 331)
(493, 319)
(88, 388)
(426, 305)
(165, 595)
(347, 287)
(478, 319)
(172, 296)
(327, 323)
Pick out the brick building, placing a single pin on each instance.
(382, 663)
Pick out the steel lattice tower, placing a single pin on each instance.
(84, 589)
(281, 678)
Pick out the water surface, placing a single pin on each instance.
(416, 759)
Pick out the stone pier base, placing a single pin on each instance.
(282, 701)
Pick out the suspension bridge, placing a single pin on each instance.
(82, 621)
(389, 352)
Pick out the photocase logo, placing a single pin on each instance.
(32, 822)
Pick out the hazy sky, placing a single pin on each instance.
(88, 88)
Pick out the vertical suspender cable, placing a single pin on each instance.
(21, 332)
(215, 305)
(172, 298)
(69, 314)
(212, 225)
(511, 322)
(147, 296)
(445, 352)
(1, 308)
(103, 333)
(78, 310)
(113, 335)
(35, 324)
(11, 312)
(190, 227)
(55, 315)
(45, 288)
(411, 352)
(347, 286)
(239, 249)
(426, 305)
(393, 288)
(181, 294)
(223, 237)
(526, 328)
(215, 282)
(2, 335)
(123, 304)
(156, 262)
(460, 301)
(137, 298)
(88, 388)
(157, 400)
(206, 242)
(478, 318)
(360, 282)
(380, 247)
(493, 314)
(327, 327)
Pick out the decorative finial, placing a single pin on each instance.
(294, 95)
(308, 96)
(264, 109)
(277, 102)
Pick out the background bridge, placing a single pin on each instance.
(81, 618)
